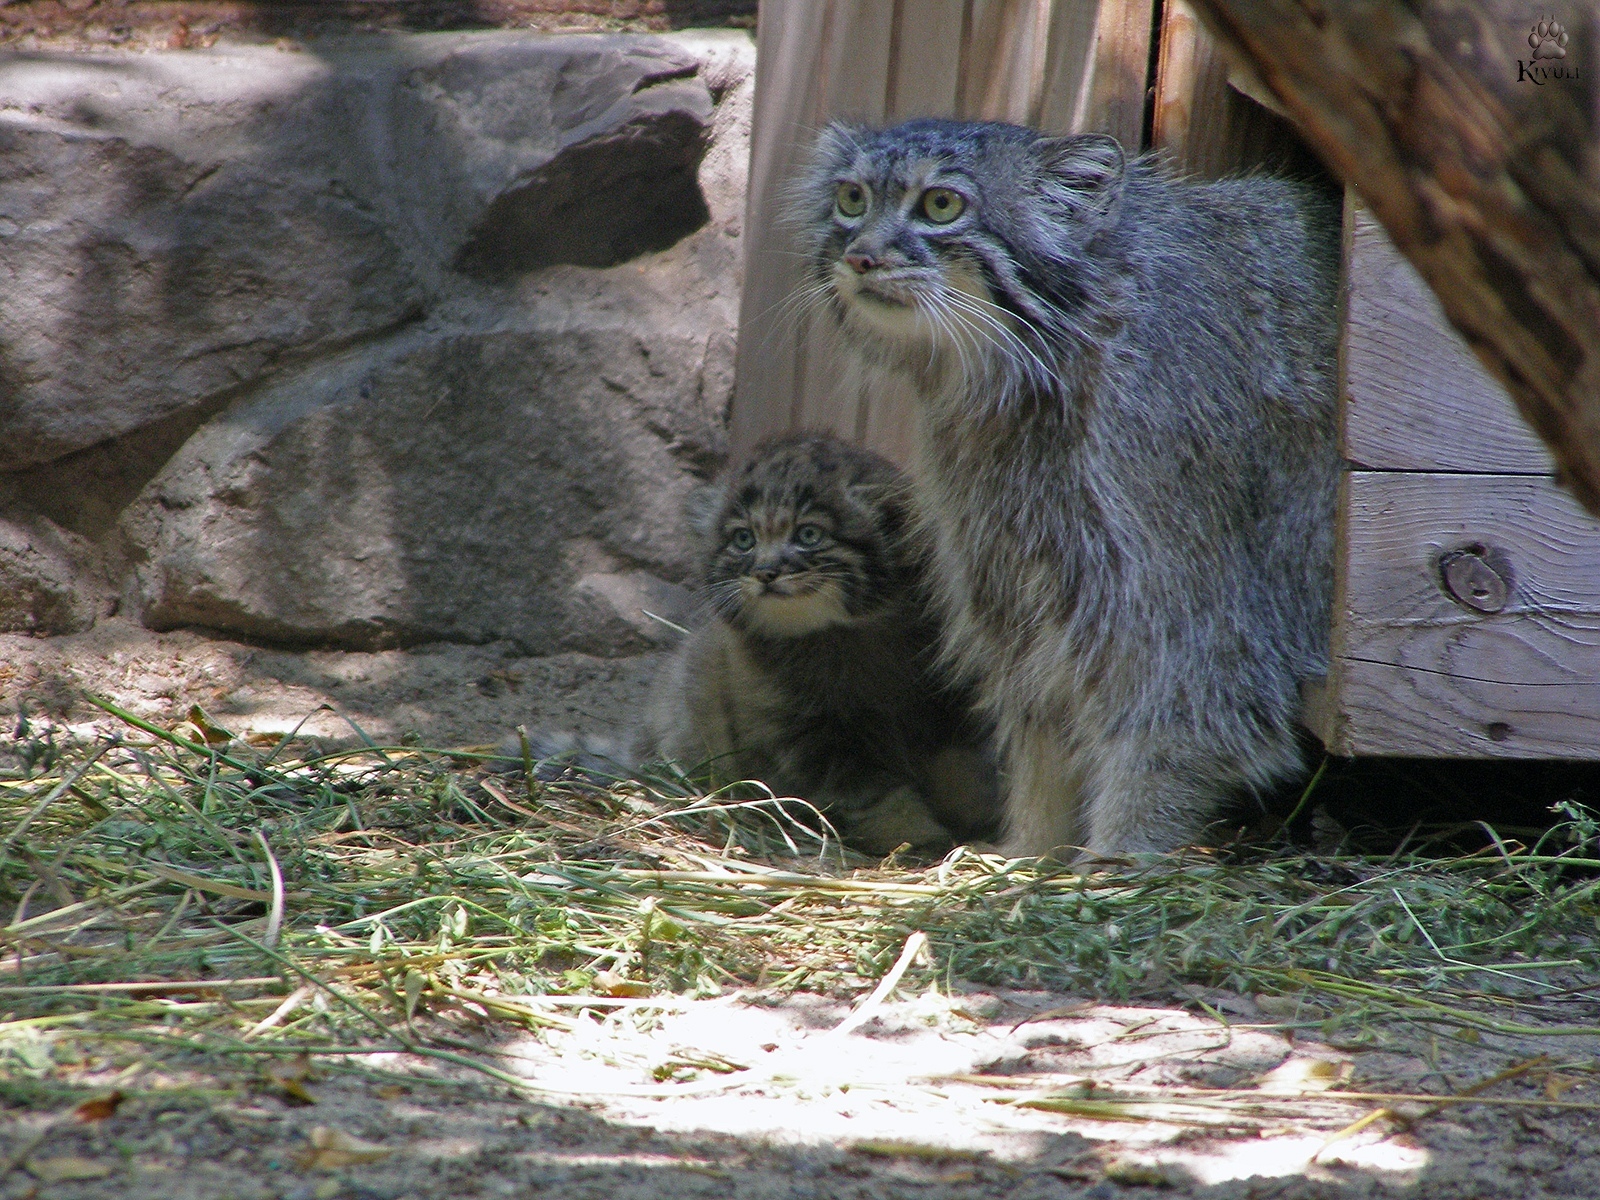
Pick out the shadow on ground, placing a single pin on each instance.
(815, 1130)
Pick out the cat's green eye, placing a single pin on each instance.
(808, 536)
(941, 205)
(851, 199)
(742, 540)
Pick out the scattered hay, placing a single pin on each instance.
(182, 891)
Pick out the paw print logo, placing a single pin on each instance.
(1548, 39)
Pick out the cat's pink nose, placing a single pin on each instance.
(765, 574)
(861, 263)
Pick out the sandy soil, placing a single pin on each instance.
(763, 1098)
(440, 695)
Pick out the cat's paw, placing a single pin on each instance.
(900, 818)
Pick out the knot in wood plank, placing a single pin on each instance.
(1478, 578)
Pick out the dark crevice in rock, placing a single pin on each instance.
(218, 619)
(666, 75)
(86, 491)
(601, 202)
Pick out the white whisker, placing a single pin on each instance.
(940, 312)
(985, 312)
(787, 314)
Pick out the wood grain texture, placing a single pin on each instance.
(1415, 672)
(1416, 397)
(1206, 126)
(1489, 182)
(1119, 66)
(931, 33)
(788, 106)
(1004, 60)
(1397, 525)
(1063, 65)
(1406, 712)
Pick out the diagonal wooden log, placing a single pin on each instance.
(1479, 158)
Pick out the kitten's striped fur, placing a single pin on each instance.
(814, 669)
(1126, 454)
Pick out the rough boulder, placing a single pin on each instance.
(386, 341)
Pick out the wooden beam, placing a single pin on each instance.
(1415, 396)
(1481, 162)
(1466, 620)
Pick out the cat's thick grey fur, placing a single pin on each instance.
(1126, 453)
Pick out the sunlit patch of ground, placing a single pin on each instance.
(942, 1076)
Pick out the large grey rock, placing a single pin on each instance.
(49, 582)
(179, 228)
(513, 466)
(524, 154)
(146, 273)
(522, 484)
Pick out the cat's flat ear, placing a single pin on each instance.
(839, 142)
(703, 506)
(1087, 171)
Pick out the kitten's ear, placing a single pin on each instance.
(1087, 172)
(703, 506)
(891, 498)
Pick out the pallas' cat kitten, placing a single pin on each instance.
(814, 667)
(1126, 453)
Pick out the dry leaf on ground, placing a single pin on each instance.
(334, 1148)
(98, 1108)
(68, 1166)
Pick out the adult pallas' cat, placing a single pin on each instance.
(814, 669)
(1126, 455)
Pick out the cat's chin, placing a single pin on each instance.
(795, 616)
(901, 324)
(904, 325)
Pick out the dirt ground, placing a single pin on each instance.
(755, 1095)
(918, 1102)
(439, 695)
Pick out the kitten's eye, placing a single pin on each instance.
(851, 199)
(743, 540)
(808, 536)
(941, 205)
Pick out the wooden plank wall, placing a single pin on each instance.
(1467, 594)
(1204, 119)
(1059, 65)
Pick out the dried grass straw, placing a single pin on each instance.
(184, 890)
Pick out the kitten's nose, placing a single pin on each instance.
(861, 263)
(765, 574)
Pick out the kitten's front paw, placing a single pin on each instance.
(899, 818)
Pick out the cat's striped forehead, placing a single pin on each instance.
(901, 175)
(804, 473)
(911, 153)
